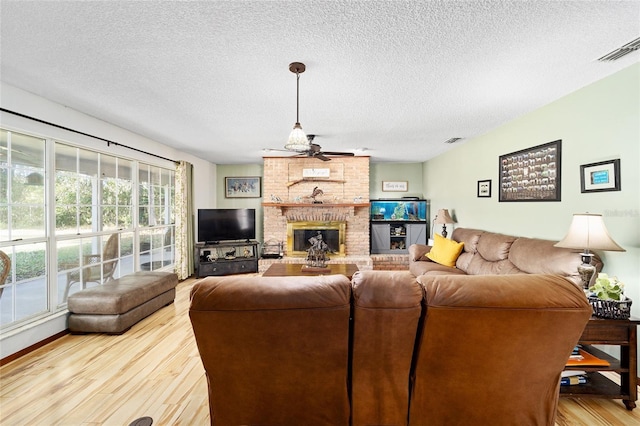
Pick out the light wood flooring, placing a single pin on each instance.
(154, 370)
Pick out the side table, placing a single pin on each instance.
(602, 331)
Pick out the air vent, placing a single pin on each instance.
(620, 52)
(452, 140)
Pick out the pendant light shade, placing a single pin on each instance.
(298, 140)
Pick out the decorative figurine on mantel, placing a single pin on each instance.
(316, 192)
(317, 254)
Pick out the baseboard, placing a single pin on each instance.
(33, 347)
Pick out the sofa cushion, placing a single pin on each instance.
(494, 247)
(386, 311)
(445, 251)
(533, 255)
(469, 237)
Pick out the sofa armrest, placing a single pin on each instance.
(417, 252)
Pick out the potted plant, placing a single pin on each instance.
(608, 299)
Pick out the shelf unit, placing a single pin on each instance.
(601, 331)
(226, 258)
(395, 224)
(396, 236)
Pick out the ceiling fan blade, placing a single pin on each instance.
(346, 154)
(322, 157)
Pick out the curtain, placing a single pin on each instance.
(185, 238)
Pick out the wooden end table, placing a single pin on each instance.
(295, 269)
(602, 331)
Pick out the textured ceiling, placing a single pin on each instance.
(396, 77)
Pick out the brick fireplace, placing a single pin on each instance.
(288, 185)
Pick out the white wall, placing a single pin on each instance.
(17, 100)
(596, 123)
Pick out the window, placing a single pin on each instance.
(156, 217)
(24, 294)
(96, 237)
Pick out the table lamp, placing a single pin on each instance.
(587, 232)
(442, 218)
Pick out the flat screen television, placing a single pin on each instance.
(215, 225)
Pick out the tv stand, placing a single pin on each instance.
(226, 258)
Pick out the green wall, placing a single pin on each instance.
(596, 123)
(410, 172)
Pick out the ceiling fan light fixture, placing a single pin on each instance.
(298, 140)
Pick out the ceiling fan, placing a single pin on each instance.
(299, 142)
(315, 151)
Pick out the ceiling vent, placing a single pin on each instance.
(452, 140)
(621, 51)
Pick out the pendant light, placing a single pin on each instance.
(298, 140)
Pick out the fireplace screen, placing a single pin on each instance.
(299, 233)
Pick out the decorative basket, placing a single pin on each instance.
(614, 309)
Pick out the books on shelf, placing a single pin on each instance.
(584, 358)
(573, 377)
(573, 380)
(569, 373)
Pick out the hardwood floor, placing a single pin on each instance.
(154, 370)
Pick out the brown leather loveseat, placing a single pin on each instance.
(490, 253)
(385, 349)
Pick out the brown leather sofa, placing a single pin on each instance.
(386, 349)
(498, 254)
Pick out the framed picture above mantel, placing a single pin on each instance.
(531, 174)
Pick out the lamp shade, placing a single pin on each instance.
(298, 140)
(587, 231)
(443, 217)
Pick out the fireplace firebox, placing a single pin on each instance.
(299, 233)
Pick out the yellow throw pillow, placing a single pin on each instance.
(445, 251)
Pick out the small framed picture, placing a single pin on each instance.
(395, 186)
(243, 187)
(600, 177)
(484, 188)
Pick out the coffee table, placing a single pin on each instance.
(296, 269)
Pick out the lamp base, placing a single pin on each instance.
(444, 231)
(586, 270)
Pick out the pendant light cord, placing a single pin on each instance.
(297, 97)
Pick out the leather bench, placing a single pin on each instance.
(114, 307)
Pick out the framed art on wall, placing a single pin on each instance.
(600, 177)
(531, 174)
(484, 188)
(400, 186)
(242, 187)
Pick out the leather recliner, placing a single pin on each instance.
(275, 350)
(491, 350)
